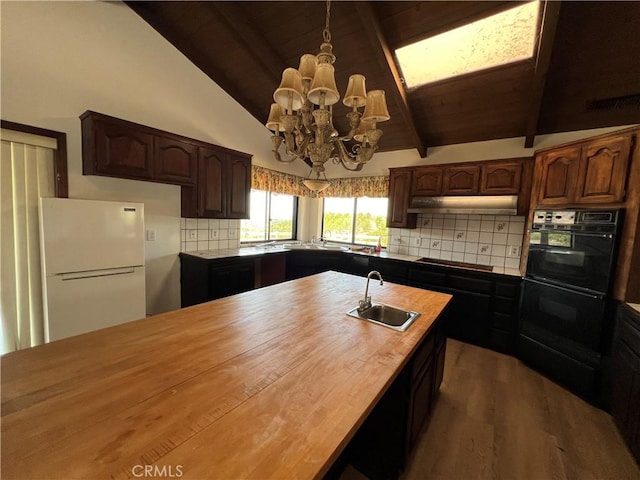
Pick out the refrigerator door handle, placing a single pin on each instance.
(96, 273)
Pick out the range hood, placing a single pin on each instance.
(478, 204)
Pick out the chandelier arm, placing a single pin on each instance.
(345, 159)
(348, 137)
(277, 141)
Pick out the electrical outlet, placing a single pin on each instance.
(151, 235)
(417, 241)
(514, 251)
(193, 235)
(232, 233)
(213, 234)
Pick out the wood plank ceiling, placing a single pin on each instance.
(586, 73)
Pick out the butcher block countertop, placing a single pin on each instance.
(271, 383)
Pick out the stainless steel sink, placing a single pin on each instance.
(386, 315)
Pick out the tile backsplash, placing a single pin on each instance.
(208, 234)
(481, 239)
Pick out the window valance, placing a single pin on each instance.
(280, 182)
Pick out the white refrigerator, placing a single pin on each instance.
(92, 264)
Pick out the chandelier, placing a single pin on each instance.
(302, 116)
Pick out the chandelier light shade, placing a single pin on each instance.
(376, 107)
(302, 116)
(289, 94)
(356, 95)
(323, 88)
(274, 123)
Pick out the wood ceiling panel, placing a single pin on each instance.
(596, 56)
(244, 46)
(480, 106)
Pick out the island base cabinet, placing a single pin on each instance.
(377, 451)
(384, 443)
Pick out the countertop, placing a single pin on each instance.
(256, 251)
(271, 383)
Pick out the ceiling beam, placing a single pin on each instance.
(550, 15)
(384, 58)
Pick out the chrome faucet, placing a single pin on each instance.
(366, 302)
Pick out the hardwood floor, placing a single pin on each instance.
(498, 419)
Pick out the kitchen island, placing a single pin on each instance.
(271, 383)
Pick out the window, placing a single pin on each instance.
(355, 220)
(503, 38)
(273, 217)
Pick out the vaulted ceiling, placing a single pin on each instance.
(586, 73)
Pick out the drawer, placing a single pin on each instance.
(628, 333)
(504, 305)
(470, 284)
(502, 321)
(511, 290)
(422, 356)
(419, 276)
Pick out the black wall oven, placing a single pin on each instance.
(576, 255)
(564, 299)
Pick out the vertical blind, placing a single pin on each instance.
(26, 173)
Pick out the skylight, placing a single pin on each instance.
(503, 38)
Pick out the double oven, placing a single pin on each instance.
(563, 321)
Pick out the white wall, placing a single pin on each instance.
(59, 59)
(62, 58)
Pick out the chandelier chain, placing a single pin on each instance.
(326, 34)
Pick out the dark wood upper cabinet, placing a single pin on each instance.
(216, 181)
(176, 161)
(491, 177)
(559, 172)
(427, 181)
(118, 148)
(501, 178)
(461, 180)
(591, 172)
(603, 170)
(212, 202)
(239, 187)
(223, 188)
(400, 181)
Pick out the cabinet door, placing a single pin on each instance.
(123, 152)
(501, 178)
(176, 161)
(427, 181)
(399, 192)
(625, 409)
(603, 171)
(462, 180)
(558, 176)
(212, 202)
(238, 187)
(420, 404)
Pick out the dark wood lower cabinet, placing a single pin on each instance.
(384, 444)
(202, 280)
(625, 377)
(484, 309)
